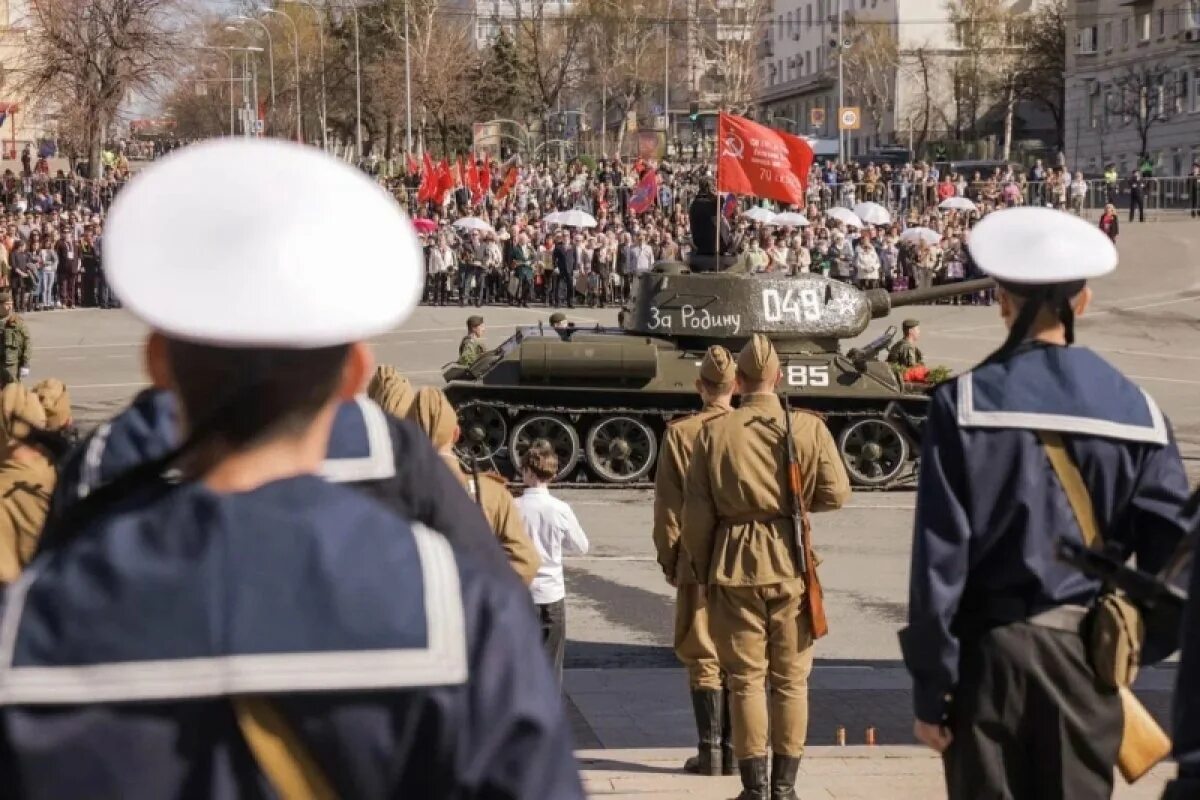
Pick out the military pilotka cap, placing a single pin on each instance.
(717, 367)
(1040, 246)
(230, 243)
(758, 360)
(909, 324)
(557, 317)
(432, 413)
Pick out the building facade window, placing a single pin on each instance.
(1194, 91)
(1085, 40)
(1108, 39)
(1143, 26)
(1191, 14)
(1091, 106)
(808, 16)
(1162, 22)
(1125, 32)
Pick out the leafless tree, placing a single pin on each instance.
(920, 63)
(729, 36)
(550, 44)
(92, 54)
(871, 63)
(623, 50)
(1142, 95)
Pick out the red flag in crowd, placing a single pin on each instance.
(645, 194)
(510, 180)
(730, 206)
(412, 165)
(473, 182)
(762, 162)
(445, 182)
(485, 175)
(429, 181)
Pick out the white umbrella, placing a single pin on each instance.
(921, 234)
(873, 213)
(957, 204)
(844, 215)
(473, 224)
(760, 214)
(790, 219)
(572, 219)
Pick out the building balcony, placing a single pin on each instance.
(798, 87)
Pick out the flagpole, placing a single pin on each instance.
(716, 188)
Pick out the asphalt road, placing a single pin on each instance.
(620, 614)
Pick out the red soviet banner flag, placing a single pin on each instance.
(645, 195)
(760, 161)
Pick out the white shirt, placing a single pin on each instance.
(552, 526)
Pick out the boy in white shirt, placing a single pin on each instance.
(555, 531)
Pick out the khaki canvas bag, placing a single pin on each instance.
(1114, 631)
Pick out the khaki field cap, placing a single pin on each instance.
(758, 361)
(717, 366)
(432, 413)
(20, 410)
(52, 393)
(391, 391)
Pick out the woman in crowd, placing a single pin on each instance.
(1109, 223)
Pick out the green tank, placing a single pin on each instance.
(603, 396)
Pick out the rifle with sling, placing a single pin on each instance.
(802, 530)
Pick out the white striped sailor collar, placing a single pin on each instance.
(379, 462)
(442, 662)
(1062, 389)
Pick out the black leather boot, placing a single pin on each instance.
(706, 705)
(728, 763)
(783, 777)
(755, 784)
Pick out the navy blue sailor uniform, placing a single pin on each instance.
(388, 458)
(402, 666)
(989, 511)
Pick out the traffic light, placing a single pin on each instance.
(694, 111)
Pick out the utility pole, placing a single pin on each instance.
(408, 140)
(841, 86)
(667, 78)
(358, 150)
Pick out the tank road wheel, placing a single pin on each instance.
(621, 449)
(874, 451)
(554, 429)
(484, 432)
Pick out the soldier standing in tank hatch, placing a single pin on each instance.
(905, 352)
(740, 537)
(1043, 440)
(693, 642)
(704, 216)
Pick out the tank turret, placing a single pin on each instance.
(603, 396)
(800, 313)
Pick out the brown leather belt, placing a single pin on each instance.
(746, 520)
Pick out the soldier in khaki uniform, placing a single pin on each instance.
(693, 644)
(17, 346)
(56, 402)
(391, 391)
(26, 480)
(433, 413)
(739, 536)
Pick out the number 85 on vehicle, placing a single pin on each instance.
(806, 376)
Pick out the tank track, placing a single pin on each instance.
(511, 410)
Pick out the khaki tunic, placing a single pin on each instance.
(25, 489)
(504, 517)
(669, 483)
(16, 349)
(693, 643)
(736, 528)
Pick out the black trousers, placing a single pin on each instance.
(1029, 722)
(1136, 201)
(553, 618)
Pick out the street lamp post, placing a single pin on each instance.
(842, 135)
(296, 53)
(321, 52)
(358, 150)
(270, 49)
(407, 87)
(667, 78)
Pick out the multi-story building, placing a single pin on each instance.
(22, 118)
(914, 97)
(1133, 84)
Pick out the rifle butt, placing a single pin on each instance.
(1143, 741)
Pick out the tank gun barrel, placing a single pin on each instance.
(882, 301)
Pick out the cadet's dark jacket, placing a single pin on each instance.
(401, 664)
(390, 459)
(990, 507)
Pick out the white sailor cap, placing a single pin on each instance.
(1040, 246)
(261, 243)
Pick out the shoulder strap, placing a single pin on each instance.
(282, 757)
(1072, 482)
